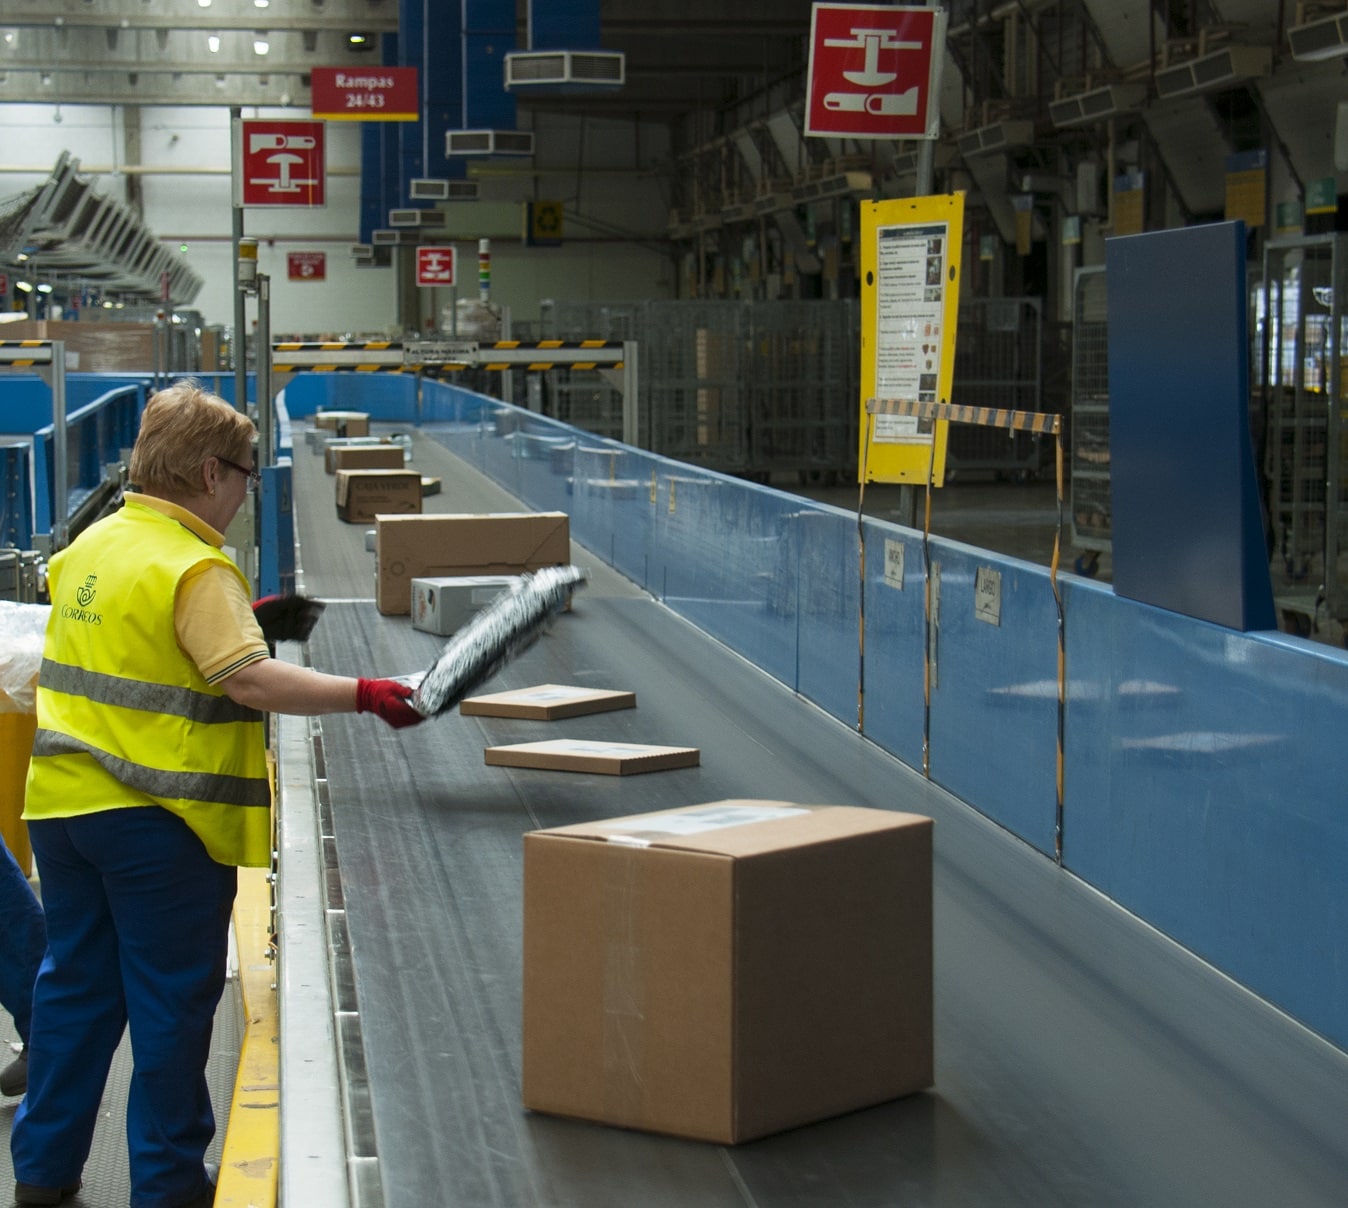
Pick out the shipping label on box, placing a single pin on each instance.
(453, 544)
(362, 495)
(728, 970)
(581, 755)
(445, 605)
(547, 702)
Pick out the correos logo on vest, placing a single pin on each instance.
(84, 596)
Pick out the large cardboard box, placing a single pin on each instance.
(363, 494)
(344, 423)
(444, 605)
(454, 544)
(366, 455)
(726, 971)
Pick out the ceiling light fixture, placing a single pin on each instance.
(260, 44)
(213, 43)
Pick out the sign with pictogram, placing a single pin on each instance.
(306, 266)
(542, 223)
(279, 163)
(874, 71)
(435, 265)
(373, 94)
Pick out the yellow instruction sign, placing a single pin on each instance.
(910, 284)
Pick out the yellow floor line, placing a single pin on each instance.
(248, 1166)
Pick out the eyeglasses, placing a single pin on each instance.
(254, 476)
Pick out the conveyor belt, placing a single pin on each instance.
(1082, 1058)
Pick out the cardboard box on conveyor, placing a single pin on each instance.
(456, 544)
(726, 971)
(344, 423)
(363, 495)
(362, 453)
(547, 702)
(444, 605)
(586, 755)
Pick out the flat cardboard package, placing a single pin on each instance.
(586, 755)
(547, 702)
(725, 971)
(454, 544)
(444, 605)
(362, 495)
(340, 456)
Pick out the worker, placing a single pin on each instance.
(23, 939)
(146, 789)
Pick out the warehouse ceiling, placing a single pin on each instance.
(681, 55)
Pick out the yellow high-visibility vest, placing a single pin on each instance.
(124, 717)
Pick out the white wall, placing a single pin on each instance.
(607, 174)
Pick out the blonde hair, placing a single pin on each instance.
(180, 428)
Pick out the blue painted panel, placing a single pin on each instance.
(386, 397)
(488, 36)
(564, 25)
(1205, 787)
(276, 531)
(992, 734)
(895, 625)
(16, 496)
(1186, 526)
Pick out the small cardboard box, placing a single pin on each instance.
(344, 423)
(583, 755)
(726, 971)
(364, 494)
(547, 702)
(444, 605)
(452, 544)
(339, 456)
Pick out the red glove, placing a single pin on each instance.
(389, 699)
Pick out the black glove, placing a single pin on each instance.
(288, 617)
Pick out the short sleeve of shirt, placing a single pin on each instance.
(215, 623)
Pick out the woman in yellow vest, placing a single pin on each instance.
(147, 787)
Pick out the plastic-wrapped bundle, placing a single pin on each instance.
(509, 625)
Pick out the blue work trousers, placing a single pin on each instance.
(23, 940)
(137, 932)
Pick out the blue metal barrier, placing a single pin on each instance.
(96, 435)
(1204, 783)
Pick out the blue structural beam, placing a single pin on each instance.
(1186, 525)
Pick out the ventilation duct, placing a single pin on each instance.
(489, 142)
(416, 218)
(1097, 104)
(1317, 40)
(1221, 69)
(566, 70)
(562, 52)
(999, 136)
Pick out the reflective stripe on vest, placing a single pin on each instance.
(138, 694)
(193, 786)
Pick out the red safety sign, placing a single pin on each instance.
(4, 284)
(366, 94)
(306, 266)
(435, 266)
(280, 163)
(873, 71)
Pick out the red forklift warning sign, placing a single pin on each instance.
(435, 265)
(874, 71)
(279, 163)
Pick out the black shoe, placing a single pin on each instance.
(205, 1198)
(31, 1194)
(14, 1077)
